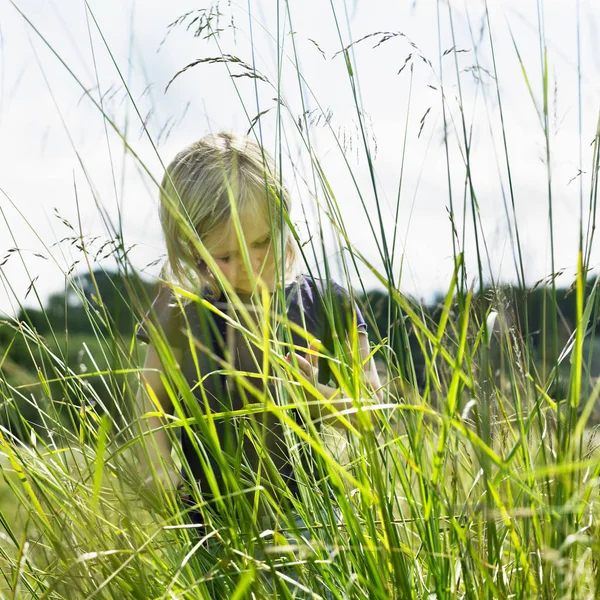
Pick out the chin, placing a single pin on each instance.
(248, 288)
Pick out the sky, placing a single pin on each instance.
(65, 172)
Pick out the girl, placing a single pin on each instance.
(225, 219)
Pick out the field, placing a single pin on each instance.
(472, 472)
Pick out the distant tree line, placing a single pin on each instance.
(92, 330)
(538, 316)
(77, 332)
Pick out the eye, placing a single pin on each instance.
(264, 242)
(224, 259)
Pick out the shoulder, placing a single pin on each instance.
(165, 313)
(333, 300)
(320, 287)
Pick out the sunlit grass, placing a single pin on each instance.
(475, 478)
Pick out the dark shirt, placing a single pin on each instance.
(323, 309)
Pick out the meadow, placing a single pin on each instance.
(473, 476)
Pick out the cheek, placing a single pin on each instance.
(268, 267)
(270, 261)
(264, 258)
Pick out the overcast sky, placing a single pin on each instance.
(60, 161)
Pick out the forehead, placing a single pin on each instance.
(223, 238)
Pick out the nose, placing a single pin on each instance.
(241, 273)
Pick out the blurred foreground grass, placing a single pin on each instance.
(475, 477)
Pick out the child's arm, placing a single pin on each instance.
(157, 453)
(308, 366)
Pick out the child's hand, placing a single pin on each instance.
(308, 365)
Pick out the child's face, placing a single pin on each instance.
(224, 247)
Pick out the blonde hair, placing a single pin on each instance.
(195, 192)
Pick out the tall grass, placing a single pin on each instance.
(475, 478)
